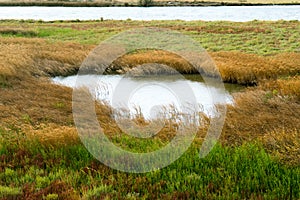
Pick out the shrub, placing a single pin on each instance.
(145, 3)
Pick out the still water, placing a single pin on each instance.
(152, 95)
(230, 13)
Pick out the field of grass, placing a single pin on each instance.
(257, 157)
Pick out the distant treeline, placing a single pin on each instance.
(137, 3)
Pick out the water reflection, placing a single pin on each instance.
(151, 96)
(231, 13)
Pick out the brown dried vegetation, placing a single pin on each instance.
(21, 56)
(241, 68)
(60, 188)
(129, 61)
(286, 87)
(234, 67)
(41, 58)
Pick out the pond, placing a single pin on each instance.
(151, 95)
(230, 13)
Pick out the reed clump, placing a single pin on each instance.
(284, 144)
(38, 57)
(249, 69)
(287, 87)
(127, 62)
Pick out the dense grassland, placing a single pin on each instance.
(257, 156)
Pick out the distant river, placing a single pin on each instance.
(231, 13)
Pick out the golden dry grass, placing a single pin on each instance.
(270, 119)
(52, 135)
(35, 101)
(234, 67)
(283, 144)
(129, 61)
(288, 87)
(42, 58)
(255, 113)
(21, 57)
(241, 68)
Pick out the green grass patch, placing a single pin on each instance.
(244, 172)
(259, 37)
(9, 192)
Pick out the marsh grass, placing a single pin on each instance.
(253, 115)
(127, 62)
(257, 157)
(48, 107)
(284, 144)
(234, 67)
(60, 54)
(287, 87)
(41, 58)
(256, 115)
(48, 158)
(250, 69)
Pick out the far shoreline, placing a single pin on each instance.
(136, 4)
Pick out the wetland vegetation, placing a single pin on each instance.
(257, 156)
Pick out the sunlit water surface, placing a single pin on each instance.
(152, 95)
(230, 13)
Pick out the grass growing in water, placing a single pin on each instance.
(41, 154)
